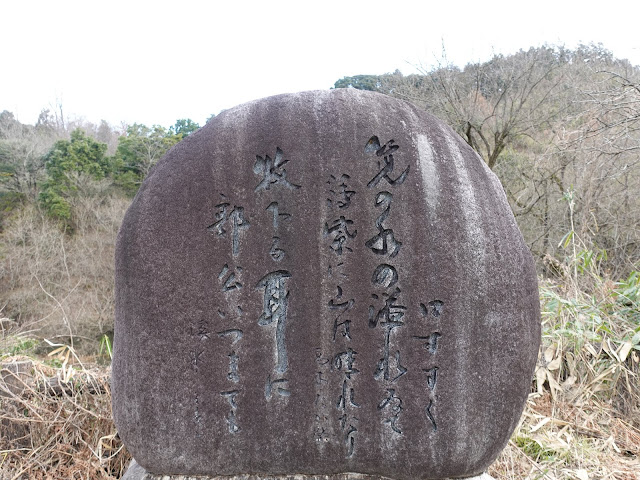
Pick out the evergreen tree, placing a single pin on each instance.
(140, 149)
(67, 161)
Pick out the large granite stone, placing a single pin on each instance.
(321, 283)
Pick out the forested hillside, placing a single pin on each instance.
(64, 189)
(559, 127)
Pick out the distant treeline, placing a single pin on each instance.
(51, 161)
(560, 128)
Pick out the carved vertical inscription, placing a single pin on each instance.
(200, 335)
(230, 223)
(272, 171)
(234, 335)
(340, 233)
(274, 311)
(273, 285)
(228, 218)
(385, 162)
(321, 422)
(387, 309)
(277, 253)
(432, 313)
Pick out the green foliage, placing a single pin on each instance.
(184, 127)
(9, 203)
(79, 154)
(7, 170)
(54, 362)
(106, 346)
(534, 449)
(24, 346)
(360, 82)
(627, 295)
(66, 162)
(597, 309)
(54, 202)
(584, 317)
(128, 180)
(591, 344)
(141, 148)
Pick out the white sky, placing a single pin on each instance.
(153, 62)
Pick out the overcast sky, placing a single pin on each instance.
(154, 62)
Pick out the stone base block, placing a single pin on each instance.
(136, 472)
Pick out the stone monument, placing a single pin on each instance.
(318, 284)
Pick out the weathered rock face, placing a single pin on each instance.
(320, 283)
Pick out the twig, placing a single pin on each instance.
(65, 319)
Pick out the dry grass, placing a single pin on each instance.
(68, 433)
(556, 440)
(57, 285)
(583, 421)
(52, 429)
(590, 353)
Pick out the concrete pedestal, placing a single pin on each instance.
(136, 472)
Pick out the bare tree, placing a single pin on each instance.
(22, 152)
(554, 124)
(493, 103)
(605, 144)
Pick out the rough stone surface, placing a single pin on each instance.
(321, 283)
(136, 472)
